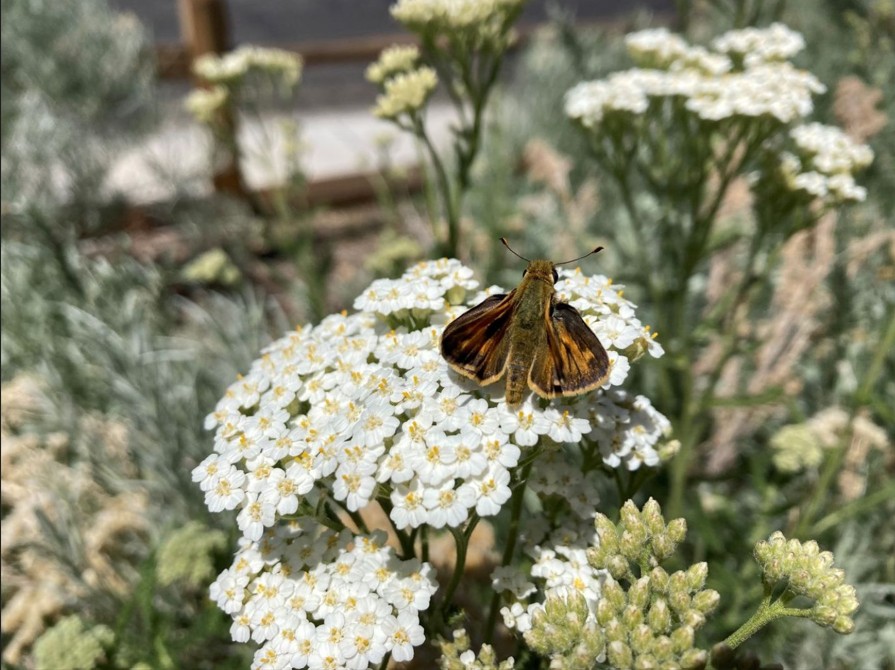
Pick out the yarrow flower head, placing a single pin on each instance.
(393, 60)
(206, 104)
(406, 93)
(823, 162)
(479, 24)
(714, 85)
(362, 408)
(234, 66)
(807, 571)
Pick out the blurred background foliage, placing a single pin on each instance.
(112, 356)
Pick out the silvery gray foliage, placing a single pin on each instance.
(77, 82)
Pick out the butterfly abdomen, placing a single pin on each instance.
(527, 336)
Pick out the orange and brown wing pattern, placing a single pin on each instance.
(573, 360)
(475, 343)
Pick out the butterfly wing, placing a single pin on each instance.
(475, 343)
(573, 360)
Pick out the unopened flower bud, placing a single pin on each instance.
(618, 567)
(619, 655)
(677, 530)
(646, 662)
(630, 516)
(605, 612)
(663, 648)
(641, 638)
(662, 547)
(639, 593)
(659, 616)
(844, 625)
(615, 631)
(631, 544)
(695, 659)
(613, 593)
(632, 616)
(823, 615)
(658, 579)
(706, 601)
(652, 517)
(682, 639)
(696, 575)
(693, 618)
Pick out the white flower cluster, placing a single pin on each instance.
(320, 599)
(393, 60)
(710, 84)
(206, 104)
(452, 15)
(235, 65)
(405, 93)
(363, 407)
(759, 45)
(560, 566)
(353, 404)
(824, 163)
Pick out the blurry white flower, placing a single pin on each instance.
(406, 93)
(393, 60)
(229, 68)
(774, 43)
(206, 104)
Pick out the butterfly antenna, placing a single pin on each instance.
(507, 245)
(590, 253)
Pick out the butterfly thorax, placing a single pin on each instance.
(527, 334)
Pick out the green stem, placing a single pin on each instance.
(461, 541)
(854, 508)
(822, 487)
(886, 345)
(510, 548)
(403, 538)
(450, 246)
(768, 611)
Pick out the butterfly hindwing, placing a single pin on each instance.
(475, 344)
(573, 360)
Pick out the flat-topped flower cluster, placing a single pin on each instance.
(745, 74)
(313, 597)
(363, 408)
(823, 162)
(364, 404)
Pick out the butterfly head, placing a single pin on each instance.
(541, 271)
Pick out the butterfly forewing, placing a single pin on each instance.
(573, 361)
(475, 343)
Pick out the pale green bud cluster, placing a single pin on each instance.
(187, 555)
(393, 60)
(206, 104)
(641, 539)
(809, 572)
(651, 622)
(457, 655)
(406, 93)
(565, 630)
(212, 267)
(70, 645)
(796, 448)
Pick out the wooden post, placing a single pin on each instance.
(205, 28)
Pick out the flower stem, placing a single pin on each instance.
(461, 541)
(768, 611)
(510, 548)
